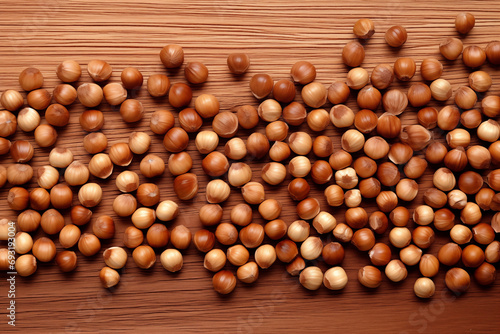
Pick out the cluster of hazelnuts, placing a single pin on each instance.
(380, 160)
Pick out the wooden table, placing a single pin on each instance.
(275, 34)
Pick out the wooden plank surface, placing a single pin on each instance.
(275, 34)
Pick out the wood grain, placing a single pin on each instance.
(275, 34)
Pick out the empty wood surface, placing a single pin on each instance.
(275, 34)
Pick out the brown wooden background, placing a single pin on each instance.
(275, 34)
